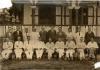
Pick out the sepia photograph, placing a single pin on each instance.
(49, 34)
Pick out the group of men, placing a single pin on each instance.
(51, 44)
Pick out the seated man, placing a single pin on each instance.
(92, 45)
(50, 48)
(39, 46)
(7, 48)
(28, 47)
(80, 48)
(70, 45)
(59, 45)
(18, 46)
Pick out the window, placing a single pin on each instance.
(47, 15)
(79, 16)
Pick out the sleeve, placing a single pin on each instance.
(11, 46)
(15, 45)
(74, 46)
(66, 45)
(88, 45)
(77, 45)
(22, 45)
(96, 45)
(84, 46)
(44, 45)
(55, 46)
(4, 46)
(63, 45)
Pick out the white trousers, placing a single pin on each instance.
(39, 53)
(70, 52)
(5, 53)
(81, 52)
(91, 54)
(50, 52)
(61, 52)
(29, 54)
(18, 53)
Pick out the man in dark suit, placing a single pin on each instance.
(52, 34)
(17, 34)
(60, 34)
(89, 35)
(43, 35)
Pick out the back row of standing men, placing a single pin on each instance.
(52, 33)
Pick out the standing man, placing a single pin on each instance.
(61, 34)
(43, 35)
(89, 35)
(17, 34)
(78, 35)
(34, 35)
(70, 33)
(52, 34)
(9, 33)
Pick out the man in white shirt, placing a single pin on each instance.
(80, 48)
(7, 48)
(59, 45)
(78, 35)
(70, 33)
(18, 46)
(34, 35)
(50, 48)
(70, 45)
(92, 45)
(28, 46)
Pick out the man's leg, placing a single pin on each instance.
(6, 53)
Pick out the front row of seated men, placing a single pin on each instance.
(29, 49)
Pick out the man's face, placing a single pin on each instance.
(26, 30)
(19, 38)
(60, 29)
(7, 39)
(52, 28)
(34, 29)
(28, 38)
(89, 29)
(59, 39)
(18, 28)
(79, 29)
(42, 29)
(69, 30)
(50, 40)
(81, 39)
